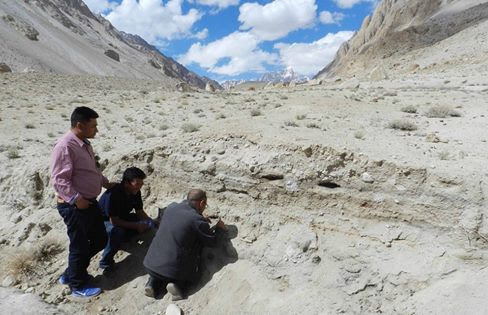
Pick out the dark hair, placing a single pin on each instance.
(196, 195)
(82, 114)
(132, 173)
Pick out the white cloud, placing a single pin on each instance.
(278, 18)
(310, 58)
(202, 34)
(231, 55)
(153, 20)
(327, 17)
(347, 4)
(219, 3)
(98, 6)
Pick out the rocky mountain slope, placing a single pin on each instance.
(66, 37)
(404, 36)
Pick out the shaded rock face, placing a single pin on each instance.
(4, 68)
(21, 26)
(209, 87)
(112, 54)
(400, 26)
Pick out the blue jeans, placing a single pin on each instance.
(86, 238)
(116, 236)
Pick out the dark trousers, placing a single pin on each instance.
(87, 237)
(116, 236)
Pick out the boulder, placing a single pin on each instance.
(154, 64)
(378, 74)
(209, 87)
(183, 87)
(4, 68)
(112, 54)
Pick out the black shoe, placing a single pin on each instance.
(149, 289)
(174, 291)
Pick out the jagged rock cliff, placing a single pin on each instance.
(398, 27)
(66, 37)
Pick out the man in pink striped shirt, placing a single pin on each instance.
(78, 181)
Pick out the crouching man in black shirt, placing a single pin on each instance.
(173, 258)
(121, 223)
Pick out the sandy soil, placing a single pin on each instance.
(331, 211)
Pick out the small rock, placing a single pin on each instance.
(112, 54)
(308, 151)
(316, 259)
(9, 281)
(367, 178)
(29, 290)
(4, 68)
(173, 309)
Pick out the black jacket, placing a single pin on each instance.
(175, 249)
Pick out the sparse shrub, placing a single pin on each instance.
(290, 123)
(402, 124)
(197, 111)
(189, 127)
(444, 155)
(300, 117)
(277, 105)
(21, 264)
(107, 147)
(359, 135)
(29, 126)
(247, 100)
(163, 127)
(313, 125)
(129, 119)
(24, 263)
(50, 135)
(12, 153)
(409, 109)
(221, 116)
(442, 112)
(255, 112)
(283, 97)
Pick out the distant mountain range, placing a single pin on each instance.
(64, 36)
(287, 75)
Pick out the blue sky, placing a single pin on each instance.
(238, 39)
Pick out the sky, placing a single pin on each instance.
(238, 39)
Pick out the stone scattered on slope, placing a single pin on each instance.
(112, 54)
(4, 68)
(173, 309)
(209, 87)
(29, 32)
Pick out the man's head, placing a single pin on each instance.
(84, 122)
(198, 198)
(133, 179)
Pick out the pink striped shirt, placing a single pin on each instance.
(73, 169)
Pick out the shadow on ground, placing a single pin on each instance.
(131, 266)
(214, 259)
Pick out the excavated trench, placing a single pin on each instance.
(367, 234)
(310, 228)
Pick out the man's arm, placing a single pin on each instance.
(139, 227)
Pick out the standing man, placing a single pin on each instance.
(173, 258)
(77, 182)
(121, 223)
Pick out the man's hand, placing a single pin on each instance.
(82, 203)
(221, 225)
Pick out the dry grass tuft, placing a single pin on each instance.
(27, 262)
(409, 109)
(442, 112)
(402, 124)
(189, 127)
